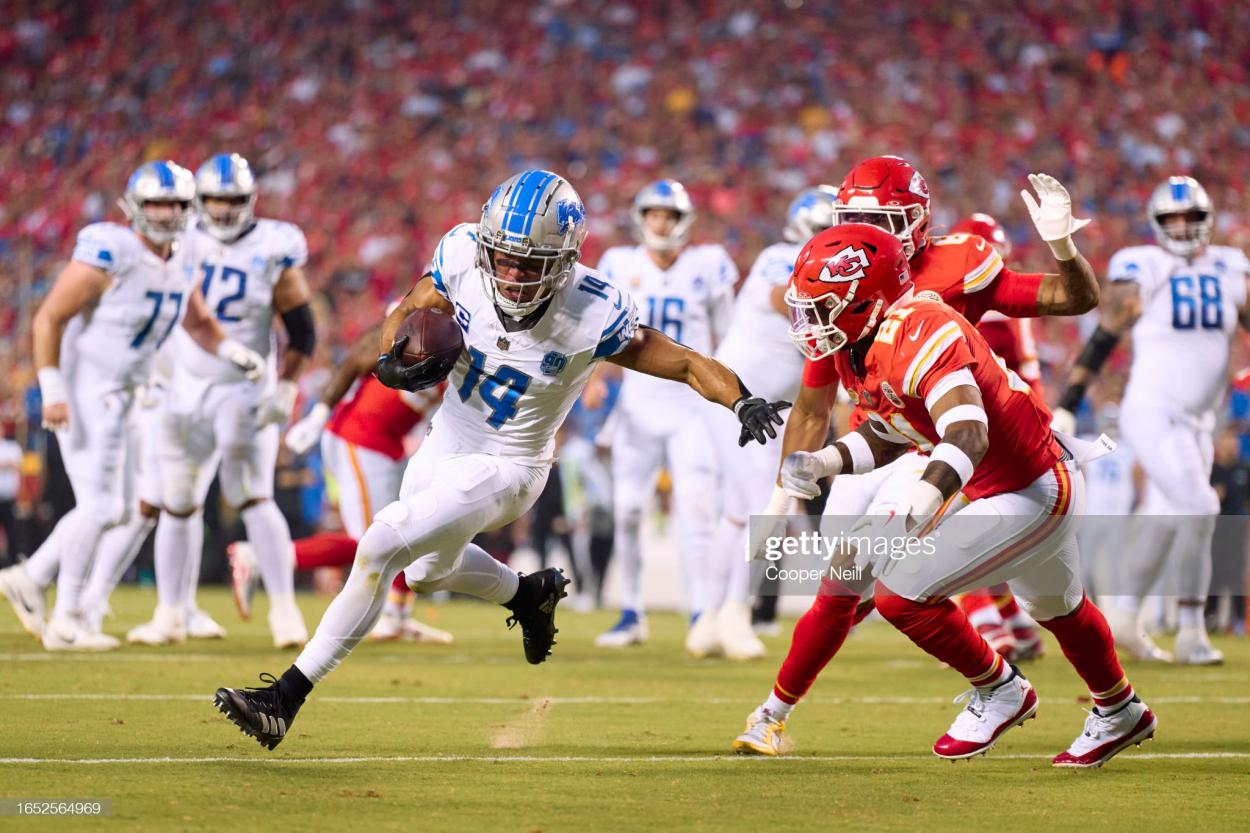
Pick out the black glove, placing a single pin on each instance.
(392, 372)
(758, 418)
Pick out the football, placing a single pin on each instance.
(431, 332)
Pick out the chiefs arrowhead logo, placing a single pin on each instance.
(846, 265)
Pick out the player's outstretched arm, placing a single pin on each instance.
(1119, 313)
(1074, 289)
(961, 422)
(78, 286)
(655, 354)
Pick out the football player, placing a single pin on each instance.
(249, 269)
(1002, 490)
(124, 291)
(758, 347)
(965, 272)
(535, 323)
(1182, 298)
(686, 292)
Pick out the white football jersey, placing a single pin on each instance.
(1188, 314)
(510, 391)
(1109, 487)
(238, 279)
(115, 340)
(758, 346)
(691, 302)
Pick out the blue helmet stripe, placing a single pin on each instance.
(538, 189)
(529, 189)
(163, 172)
(513, 220)
(225, 168)
(1180, 190)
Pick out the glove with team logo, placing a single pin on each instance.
(304, 434)
(392, 372)
(244, 358)
(275, 409)
(1051, 211)
(758, 418)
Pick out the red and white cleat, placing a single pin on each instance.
(243, 576)
(1029, 644)
(990, 712)
(1001, 639)
(1106, 735)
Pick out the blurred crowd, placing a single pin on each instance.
(377, 124)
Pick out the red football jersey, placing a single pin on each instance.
(919, 344)
(1012, 340)
(378, 418)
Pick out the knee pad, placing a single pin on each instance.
(378, 547)
(1045, 608)
(426, 573)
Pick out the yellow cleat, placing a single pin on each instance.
(763, 735)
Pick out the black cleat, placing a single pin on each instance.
(537, 617)
(258, 712)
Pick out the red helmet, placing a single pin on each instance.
(886, 191)
(987, 227)
(844, 280)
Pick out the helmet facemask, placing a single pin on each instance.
(159, 229)
(231, 215)
(906, 222)
(535, 275)
(814, 321)
(1183, 233)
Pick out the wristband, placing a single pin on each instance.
(51, 386)
(1063, 248)
(319, 412)
(779, 503)
(961, 413)
(954, 456)
(859, 451)
(924, 501)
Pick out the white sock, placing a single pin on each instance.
(270, 537)
(78, 549)
(195, 554)
(173, 543)
(43, 565)
(777, 707)
(118, 549)
(478, 573)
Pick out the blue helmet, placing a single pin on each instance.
(667, 194)
(809, 212)
(226, 176)
(1182, 195)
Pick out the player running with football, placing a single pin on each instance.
(965, 272)
(124, 291)
(1183, 299)
(535, 322)
(1003, 488)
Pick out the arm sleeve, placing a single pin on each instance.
(96, 247)
(1014, 294)
(820, 373)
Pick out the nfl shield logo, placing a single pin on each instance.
(553, 363)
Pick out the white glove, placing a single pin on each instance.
(801, 470)
(780, 504)
(244, 358)
(1063, 421)
(275, 409)
(304, 434)
(1052, 214)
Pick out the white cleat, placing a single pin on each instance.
(737, 637)
(202, 626)
(286, 623)
(389, 628)
(630, 629)
(168, 627)
(244, 576)
(25, 596)
(1132, 638)
(415, 630)
(69, 633)
(1194, 648)
(704, 637)
(764, 735)
(1107, 735)
(989, 713)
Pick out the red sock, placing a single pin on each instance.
(1006, 601)
(325, 549)
(943, 631)
(975, 600)
(400, 584)
(1086, 642)
(818, 635)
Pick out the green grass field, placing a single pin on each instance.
(469, 737)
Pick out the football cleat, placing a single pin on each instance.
(1029, 644)
(202, 626)
(25, 596)
(286, 623)
(417, 631)
(990, 712)
(244, 575)
(388, 629)
(1194, 648)
(69, 633)
(258, 712)
(764, 735)
(630, 629)
(1132, 638)
(168, 627)
(737, 639)
(1001, 639)
(538, 618)
(1106, 735)
(703, 638)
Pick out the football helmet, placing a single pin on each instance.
(667, 194)
(886, 191)
(1185, 196)
(160, 181)
(227, 176)
(987, 227)
(845, 279)
(809, 212)
(532, 228)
